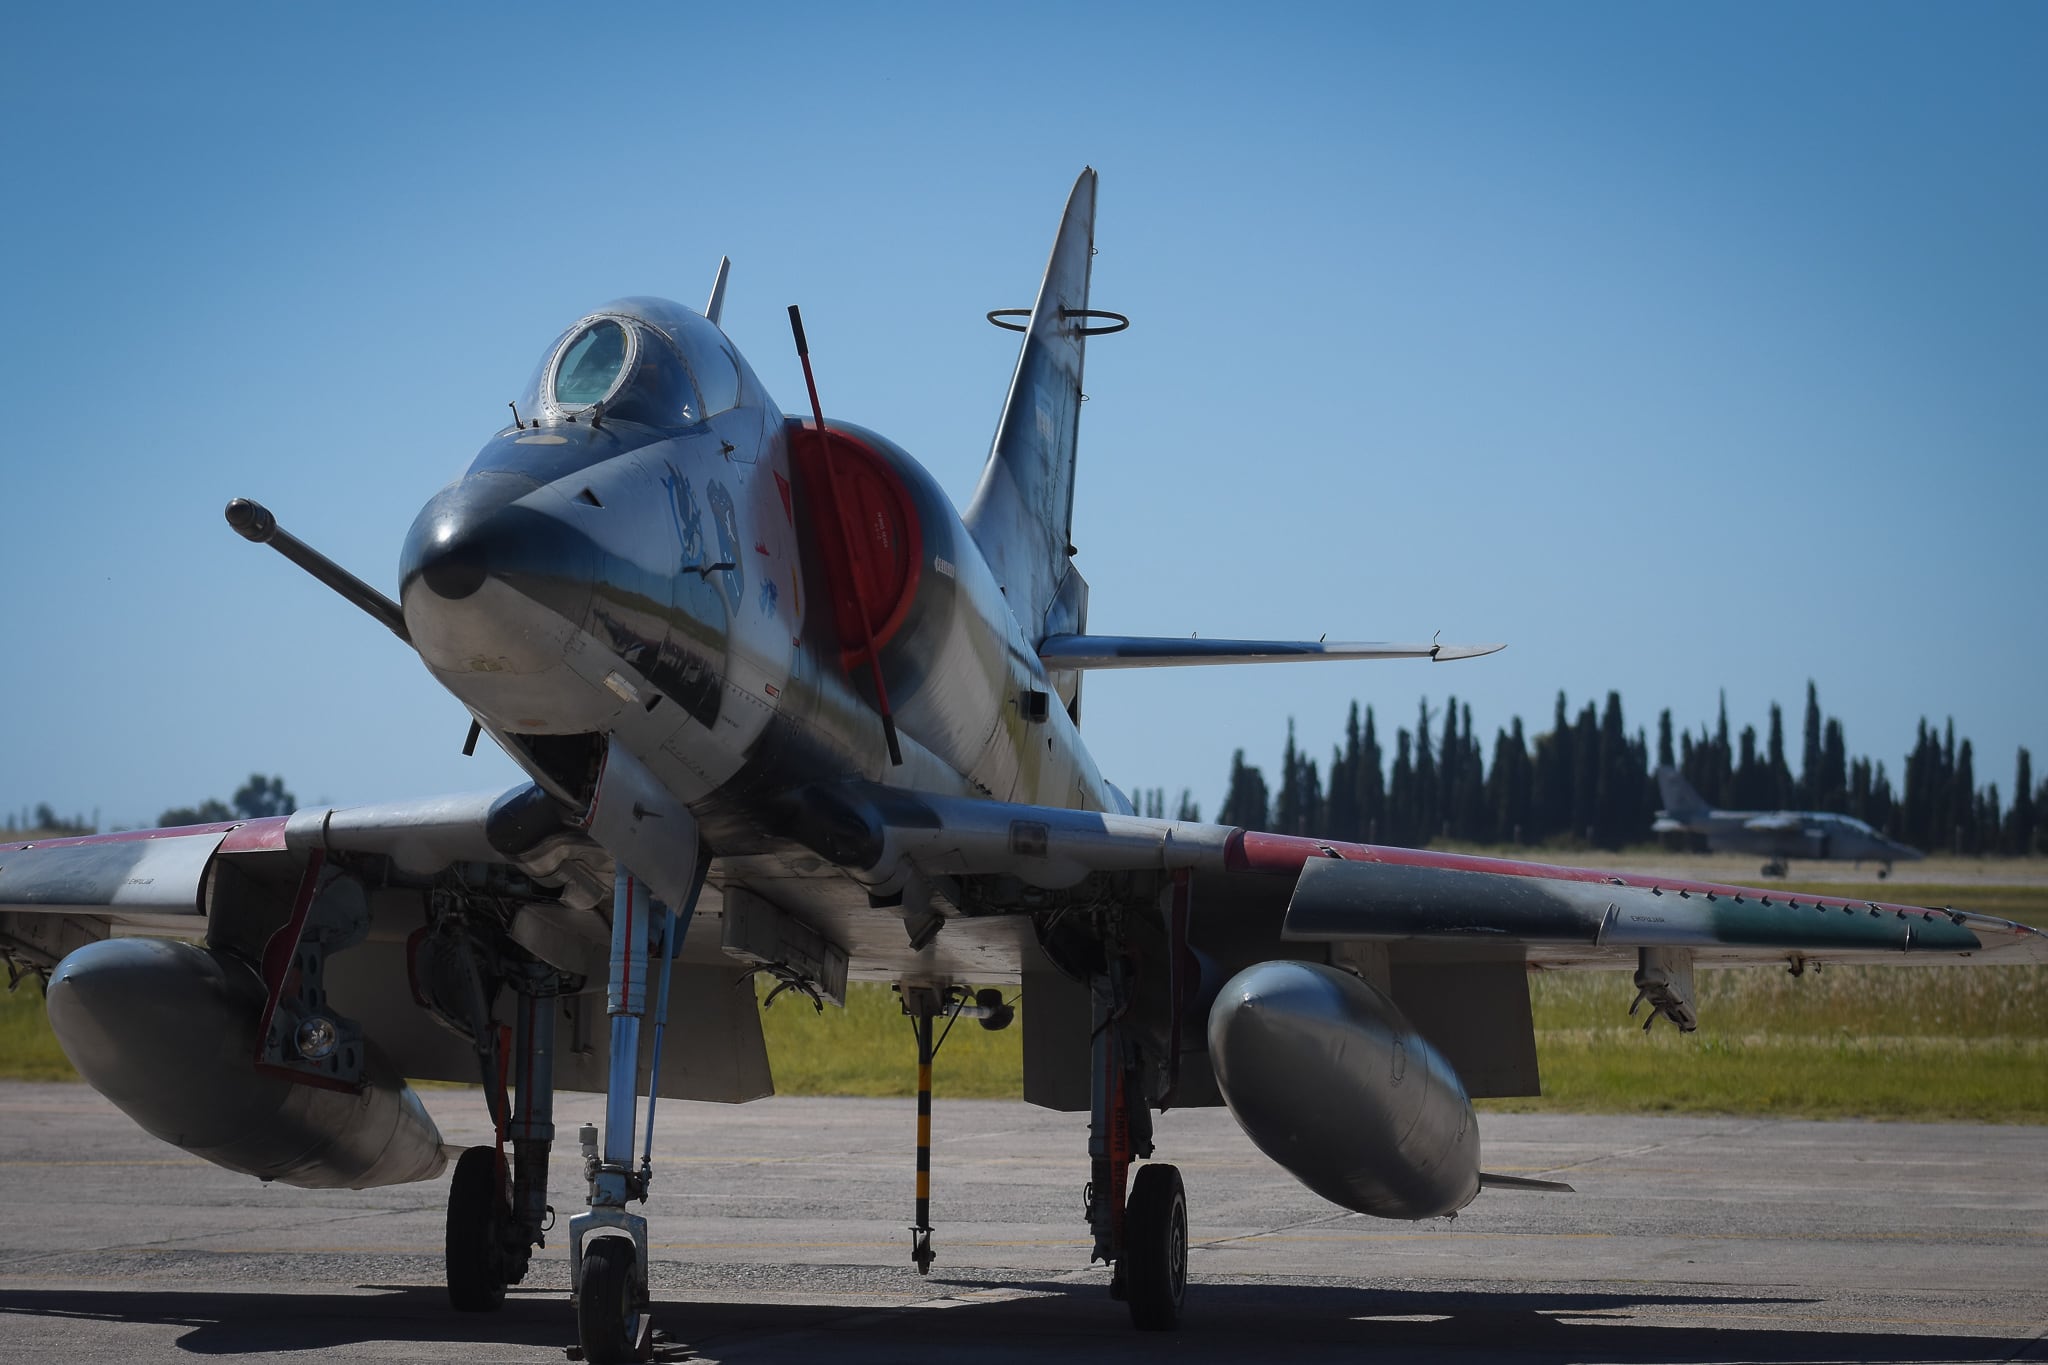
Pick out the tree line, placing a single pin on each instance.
(255, 799)
(1588, 780)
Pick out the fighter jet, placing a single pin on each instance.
(1778, 835)
(783, 710)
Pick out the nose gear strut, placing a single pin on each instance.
(608, 1249)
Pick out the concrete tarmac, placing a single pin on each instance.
(779, 1231)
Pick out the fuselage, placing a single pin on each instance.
(1806, 835)
(660, 558)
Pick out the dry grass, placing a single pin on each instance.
(1868, 1042)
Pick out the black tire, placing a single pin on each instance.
(1155, 1259)
(477, 1213)
(607, 1327)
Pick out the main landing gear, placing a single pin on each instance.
(498, 1206)
(608, 1245)
(1141, 1225)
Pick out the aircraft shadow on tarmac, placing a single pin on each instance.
(1230, 1322)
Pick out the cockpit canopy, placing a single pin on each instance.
(644, 361)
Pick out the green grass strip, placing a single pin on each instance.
(1929, 1043)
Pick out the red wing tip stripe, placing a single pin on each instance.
(260, 829)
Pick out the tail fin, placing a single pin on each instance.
(1680, 800)
(1022, 512)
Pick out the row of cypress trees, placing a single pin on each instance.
(1588, 780)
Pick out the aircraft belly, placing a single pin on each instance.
(978, 948)
(1762, 844)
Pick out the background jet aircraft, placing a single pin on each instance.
(783, 709)
(1777, 835)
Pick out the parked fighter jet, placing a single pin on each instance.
(1778, 835)
(784, 710)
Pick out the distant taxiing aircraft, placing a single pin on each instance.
(784, 710)
(1777, 836)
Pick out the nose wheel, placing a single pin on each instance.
(610, 1327)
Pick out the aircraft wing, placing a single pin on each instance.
(884, 884)
(1330, 891)
(992, 861)
(159, 877)
(243, 889)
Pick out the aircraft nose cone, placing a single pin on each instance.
(450, 547)
(452, 567)
(496, 577)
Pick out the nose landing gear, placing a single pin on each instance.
(608, 1251)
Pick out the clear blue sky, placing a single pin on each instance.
(1681, 348)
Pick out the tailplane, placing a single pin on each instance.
(1022, 512)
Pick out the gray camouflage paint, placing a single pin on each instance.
(1337, 899)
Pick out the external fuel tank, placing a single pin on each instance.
(167, 1031)
(1329, 1080)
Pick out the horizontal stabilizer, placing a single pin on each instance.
(1488, 1180)
(1139, 651)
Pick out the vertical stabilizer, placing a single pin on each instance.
(1681, 802)
(1022, 512)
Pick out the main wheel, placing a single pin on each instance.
(477, 1212)
(607, 1323)
(1155, 1259)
